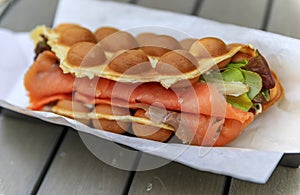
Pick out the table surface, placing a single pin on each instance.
(41, 158)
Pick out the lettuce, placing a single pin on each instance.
(242, 102)
(241, 86)
(254, 81)
(235, 73)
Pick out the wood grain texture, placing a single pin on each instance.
(240, 12)
(283, 181)
(174, 178)
(284, 18)
(25, 146)
(75, 170)
(185, 6)
(4, 5)
(125, 1)
(24, 15)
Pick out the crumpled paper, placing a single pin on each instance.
(253, 156)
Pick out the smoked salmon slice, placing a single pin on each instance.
(46, 82)
(202, 98)
(197, 129)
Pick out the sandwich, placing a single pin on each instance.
(152, 86)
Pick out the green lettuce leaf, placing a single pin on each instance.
(254, 81)
(237, 64)
(242, 102)
(233, 74)
(239, 85)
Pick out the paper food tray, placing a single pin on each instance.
(257, 150)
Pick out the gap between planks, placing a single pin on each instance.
(49, 161)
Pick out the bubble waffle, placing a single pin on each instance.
(64, 41)
(203, 91)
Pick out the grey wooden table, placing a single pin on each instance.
(38, 157)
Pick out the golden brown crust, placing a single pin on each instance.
(76, 34)
(69, 109)
(276, 93)
(117, 41)
(72, 105)
(214, 46)
(176, 62)
(64, 26)
(239, 56)
(82, 54)
(187, 43)
(210, 47)
(158, 45)
(121, 40)
(149, 132)
(103, 32)
(245, 53)
(110, 125)
(133, 61)
(143, 38)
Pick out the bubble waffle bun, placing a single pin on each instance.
(143, 57)
(153, 86)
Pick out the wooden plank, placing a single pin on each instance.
(283, 181)
(4, 5)
(239, 12)
(25, 147)
(125, 1)
(26, 14)
(175, 178)
(75, 170)
(186, 6)
(284, 18)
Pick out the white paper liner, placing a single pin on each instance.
(253, 156)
